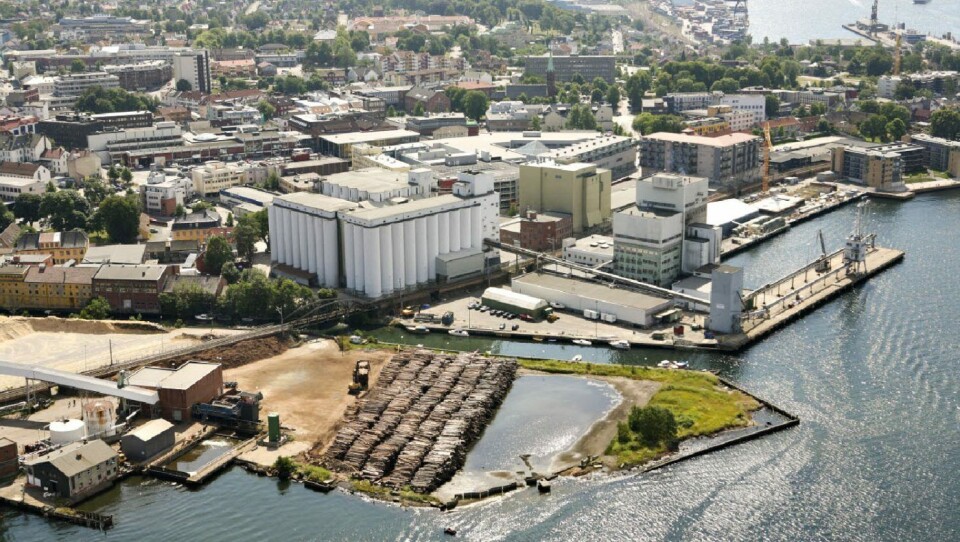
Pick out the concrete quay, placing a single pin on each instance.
(795, 295)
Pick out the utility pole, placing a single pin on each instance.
(111, 351)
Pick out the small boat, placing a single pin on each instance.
(423, 330)
(459, 332)
(620, 344)
(665, 364)
(681, 364)
(450, 531)
(538, 339)
(323, 487)
(576, 358)
(921, 1)
(203, 318)
(582, 342)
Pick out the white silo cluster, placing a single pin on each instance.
(386, 247)
(304, 234)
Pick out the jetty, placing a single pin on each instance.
(415, 426)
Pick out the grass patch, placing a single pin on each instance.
(314, 473)
(406, 494)
(699, 402)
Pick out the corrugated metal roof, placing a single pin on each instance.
(151, 429)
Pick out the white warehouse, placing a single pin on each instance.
(304, 234)
(390, 248)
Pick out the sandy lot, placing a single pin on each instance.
(80, 345)
(307, 386)
(595, 442)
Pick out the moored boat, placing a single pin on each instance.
(620, 344)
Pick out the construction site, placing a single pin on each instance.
(415, 426)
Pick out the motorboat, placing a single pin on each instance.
(665, 364)
(582, 342)
(578, 357)
(459, 332)
(423, 330)
(681, 364)
(620, 344)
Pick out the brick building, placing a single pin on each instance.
(131, 289)
(538, 231)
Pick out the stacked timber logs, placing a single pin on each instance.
(418, 423)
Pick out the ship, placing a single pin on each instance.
(921, 1)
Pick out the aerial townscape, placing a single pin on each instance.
(515, 270)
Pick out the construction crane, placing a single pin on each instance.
(896, 55)
(766, 157)
(874, 22)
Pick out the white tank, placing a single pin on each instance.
(66, 431)
(99, 418)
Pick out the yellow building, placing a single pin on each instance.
(578, 189)
(58, 288)
(63, 246)
(12, 294)
(198, 227)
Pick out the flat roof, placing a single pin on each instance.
(261, 196)
(188, 374)
(124, 254)
(718, 141)
(364, 137)
(130, 272)
(149, 377)
(728, 210)
(592, 290)
(585, 243)
(317, 201)
(388, 211)
(370, 179)
(151, 429)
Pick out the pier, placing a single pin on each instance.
(801, 291)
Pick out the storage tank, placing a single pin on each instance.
(99, 418)
(67, 431)
(273, 427)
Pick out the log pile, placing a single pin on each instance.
(426, 411)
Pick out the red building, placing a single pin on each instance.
(538, 231)
(193, 382)
(131, 289)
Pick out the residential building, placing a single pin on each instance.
(243, 67)
(729, 160)
(542, 232)
(148, 75)
(199, 226)
(58, 288)
(21, 148)
(579, 189)
(432, 100)
(75, 84)
(74, 471)
(162, 194)
(13, 295)
(939, 154)
(63, 246)
(214, 176)
(568, 67)
(22, 178)
(131, 289)
(615, 153)
(193, 67)
(878, 169)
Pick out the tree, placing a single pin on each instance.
(255, 20)
(6, 218)
(475, 104)
(653, 425)
(824, 126)
(27, 207)
(771, 105)
(94, 190)
(245, 235)
(186, 301)
(66, 210)
(266, 109)
(230, 273)
(77, 66)
(945, 123)
(581, 117)
(613, 97)
(418, 110)
(875, 127)
(126, 175)
(726, 85)
(97, 309)
(285, 467)
(184, 86)
(272, 182)
(229, 222)
(180, 211)
(535, 123)
(218, 253)
(896, 129)
(120, 217)
(647, 124)
(113, 173)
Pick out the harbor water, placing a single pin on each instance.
(873, 375)
(803, 20)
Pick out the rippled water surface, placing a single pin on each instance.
(873, 375)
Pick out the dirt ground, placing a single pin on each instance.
(307, 386)
(602, 432)
(239, 354)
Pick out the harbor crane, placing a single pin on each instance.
(823, 262)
